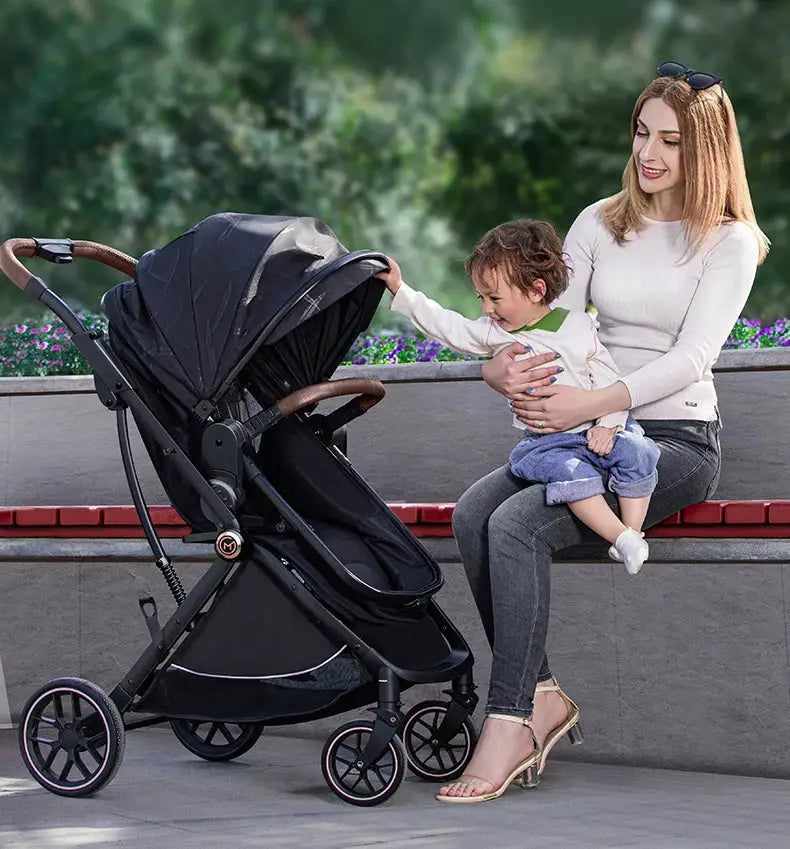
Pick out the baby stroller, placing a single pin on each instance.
(318, 600)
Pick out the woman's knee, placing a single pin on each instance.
(529, 520)
(476, 504)
(467, 514)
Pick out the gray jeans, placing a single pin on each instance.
(507, 536)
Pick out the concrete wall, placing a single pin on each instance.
(685, 666)
(438, 430)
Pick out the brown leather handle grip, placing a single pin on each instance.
(19, 275)
(370, 392)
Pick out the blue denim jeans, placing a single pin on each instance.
(507, 536)
(572, 472)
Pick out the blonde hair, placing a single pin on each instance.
(716, 189)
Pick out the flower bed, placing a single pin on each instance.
(39, 347)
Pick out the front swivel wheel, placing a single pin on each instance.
(429, 758)
(71, 737)
(340, 766)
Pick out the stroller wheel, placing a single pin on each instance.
(216, 741)
(71, 737)
(428, 759)
(338, 764)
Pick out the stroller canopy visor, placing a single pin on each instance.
(200, 306)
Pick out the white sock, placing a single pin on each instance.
(630, 548)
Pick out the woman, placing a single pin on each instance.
(668, 263)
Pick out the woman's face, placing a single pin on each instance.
(657, 148)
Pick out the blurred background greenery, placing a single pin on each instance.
(409, 126)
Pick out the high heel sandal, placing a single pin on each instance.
(527, 769)
(570, 726)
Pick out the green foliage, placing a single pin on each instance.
(410, 127)
(40, 347)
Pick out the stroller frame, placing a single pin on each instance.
(118, 394)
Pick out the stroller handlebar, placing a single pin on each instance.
(370, 392)
(11, 249)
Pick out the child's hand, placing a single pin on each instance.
(600, 440)
(392, 277)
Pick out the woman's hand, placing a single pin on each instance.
(553, 409)
(392, 277)
(512, 378)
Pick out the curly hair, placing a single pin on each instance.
(522, 251)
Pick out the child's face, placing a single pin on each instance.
(509, 306)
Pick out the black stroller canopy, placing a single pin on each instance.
(201, 305)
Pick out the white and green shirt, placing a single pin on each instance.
(570, 333)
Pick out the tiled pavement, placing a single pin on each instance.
(274, 796)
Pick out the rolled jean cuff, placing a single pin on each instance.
(634, 489)
(563, 491)
(509, 711)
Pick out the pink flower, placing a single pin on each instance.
(56, 347)
(21, 328)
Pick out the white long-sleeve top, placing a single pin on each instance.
(569, 333)
(662, 320)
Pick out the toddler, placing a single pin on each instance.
(518, 270)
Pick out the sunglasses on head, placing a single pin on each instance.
(698, 80)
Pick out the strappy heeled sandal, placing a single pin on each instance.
(570, 726)
(527, 769)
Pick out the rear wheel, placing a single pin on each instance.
(216, 741)
(71, 737)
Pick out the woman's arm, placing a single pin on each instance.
(604, 373)
(580, 248)
(727, 278)
(721, 294)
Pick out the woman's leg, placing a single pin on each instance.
(688, 472)
(470, 526)
(523, 533)
(688, 468)
(516, 581)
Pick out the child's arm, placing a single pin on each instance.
(450, 328)
(604, 373)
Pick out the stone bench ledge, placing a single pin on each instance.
(710, 519)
